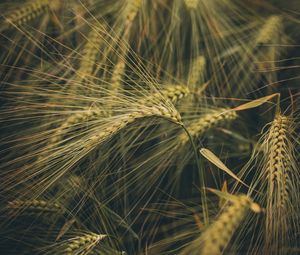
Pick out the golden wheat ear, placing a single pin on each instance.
(77, 243)
(83, 243)
(269, 42)
(281, 175)
(196, 72)
(191, 4)
(29, 11)
(73, 122)
(173, 93)
(209, 121)
(275, 174)
(216, 237)
(98, 134)
(90, 57)
(35, 208)
(269, 31)
(156, 112)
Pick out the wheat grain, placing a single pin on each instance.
(175, 92)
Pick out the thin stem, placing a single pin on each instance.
(202, 179)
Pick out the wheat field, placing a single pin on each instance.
(149, 127)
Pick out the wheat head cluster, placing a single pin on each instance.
(149, 127)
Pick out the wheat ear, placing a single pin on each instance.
(175, 93)
(35, 206)
(132, 9)
(196, 71)
(172, 92)
(277, 164)
(90, 52)
(117, 75)
(216, 237)
(208, 121)
(191, 4)
(122, 122)
(116, 82)
(73, 120)
(279, 169)
(269, 30)
(83, 244)
(31, 10)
